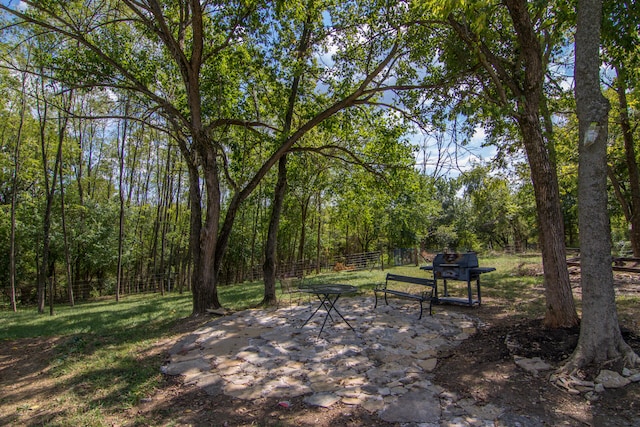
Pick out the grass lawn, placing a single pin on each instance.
(105, 357)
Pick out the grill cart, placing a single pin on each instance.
(457, 266)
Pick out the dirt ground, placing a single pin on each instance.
(481, 367)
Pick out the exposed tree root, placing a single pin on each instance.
(569, 376)
(631, 359)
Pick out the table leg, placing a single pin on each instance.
(323, 302)
(328, 304)
(326, 298)
(312, 314)
(333, 307)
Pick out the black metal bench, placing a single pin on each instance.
(420, 296)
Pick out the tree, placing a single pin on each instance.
(301, 57)
(202, 66)
(620, 38)
(49, 175)
(495, 215)
(14, 187)
(600, 338)
(497, 54)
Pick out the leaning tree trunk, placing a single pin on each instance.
(561, 310)
(203, 234)
(600, 338)
(525, 87)
(269, 267)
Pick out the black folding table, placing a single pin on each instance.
(328, 296)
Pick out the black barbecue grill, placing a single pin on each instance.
(457, 266)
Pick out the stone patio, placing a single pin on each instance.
(384, 366)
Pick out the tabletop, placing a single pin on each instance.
(330, 289)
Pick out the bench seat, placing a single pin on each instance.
(421, 293)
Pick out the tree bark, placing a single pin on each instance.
(270, 255)
(525, 88)
(600, 338)
(121, 153)
(561, 310)
(14, 193)
(203, 241)
(630, 158)
(560, 306)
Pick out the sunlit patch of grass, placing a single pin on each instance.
(517, 285)
(102, 365)
(132, 315)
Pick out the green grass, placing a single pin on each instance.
(101, 364)
(106, 317)
(104, 361)
(517, 285)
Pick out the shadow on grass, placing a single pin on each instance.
(87, 361)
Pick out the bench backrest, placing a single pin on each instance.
(409, 279)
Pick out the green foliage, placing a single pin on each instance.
(353, 185)
(620, 35)
(480, 210)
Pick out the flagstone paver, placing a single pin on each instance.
(384, 366)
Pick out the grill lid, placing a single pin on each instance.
(464, 260)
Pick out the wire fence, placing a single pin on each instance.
(159, 283)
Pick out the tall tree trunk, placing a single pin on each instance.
(560, 304)
(206, 251)
(527, 88)
(600, 338)
(65, 238)
(176, 241)
(14, 194)
(166, 205)
(274, 224)
(121, 141)
(270, 255)
(78, 128)
(157, 222)
(49, 185)
(630, 157)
